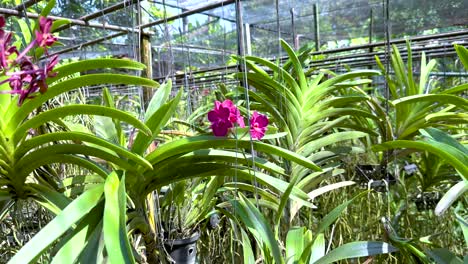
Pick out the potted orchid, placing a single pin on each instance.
(186, 203)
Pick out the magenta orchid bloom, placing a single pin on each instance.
(43, 37)
(219, 118)
(26, 78)
(234, 116)
(223, 117)
(5, 49)
(258, 125)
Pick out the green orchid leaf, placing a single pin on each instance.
(71, 246)
(94, 64)
(64, 111)
(248, 254)
(156, 122)
(450, 197)
(115, 233)
(36, 158)
(355, 250)
(158, 99)
(296, 241)
(189, 144)
(257, 225)
(317, 250)
(450, 154)
(79, 137)
(15, 115)
(462, 54)
(58, 226)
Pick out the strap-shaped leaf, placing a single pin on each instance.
(49, 198)
(93, 64)
(58, 226)
(296, 241)
(79, 137)
(115, 232)
(15, 115)
(355, 250)
(185, 145)
(220, 156)
(258, 226)
(451, 196)
(462, 54)
(61, 159)
(317, 249)
(432, 98)
(327, 140)
(69, 110)
(450, 154)
(248, 254)
(30, 162)
(159, 99)
(296, 65)
(280, 71)
(155, 123)
(117, 128)
(71, 246)
(159, 178)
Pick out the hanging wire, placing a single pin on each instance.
(167, 39)
(247, 98)
(386, 10)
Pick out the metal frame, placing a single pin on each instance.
(363, 54)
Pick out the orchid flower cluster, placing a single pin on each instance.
(225, 115)
(24, 77)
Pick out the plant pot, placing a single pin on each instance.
(374, 177)
(183, 251)
(427, 201)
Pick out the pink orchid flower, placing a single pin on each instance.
(258, 125)
(223, 117)
(234, 116)
(43, 37)
(219, 118)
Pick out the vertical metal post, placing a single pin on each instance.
(248, 40)
(146, 59)
(240, 37)
(240, 29)
(371, 28)
(293, 27)
(316, 28)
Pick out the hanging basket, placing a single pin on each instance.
(183, 251)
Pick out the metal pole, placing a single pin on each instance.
(188, 13)
(316, 28)
(240, 33)
(371, 28)
(89, 43)
(78, 22)
(248, 41)
(101, 13)
(293, 30)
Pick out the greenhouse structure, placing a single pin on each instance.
(233, 131)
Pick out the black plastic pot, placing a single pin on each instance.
(183, 251)
(427, 201)
(373, 176)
